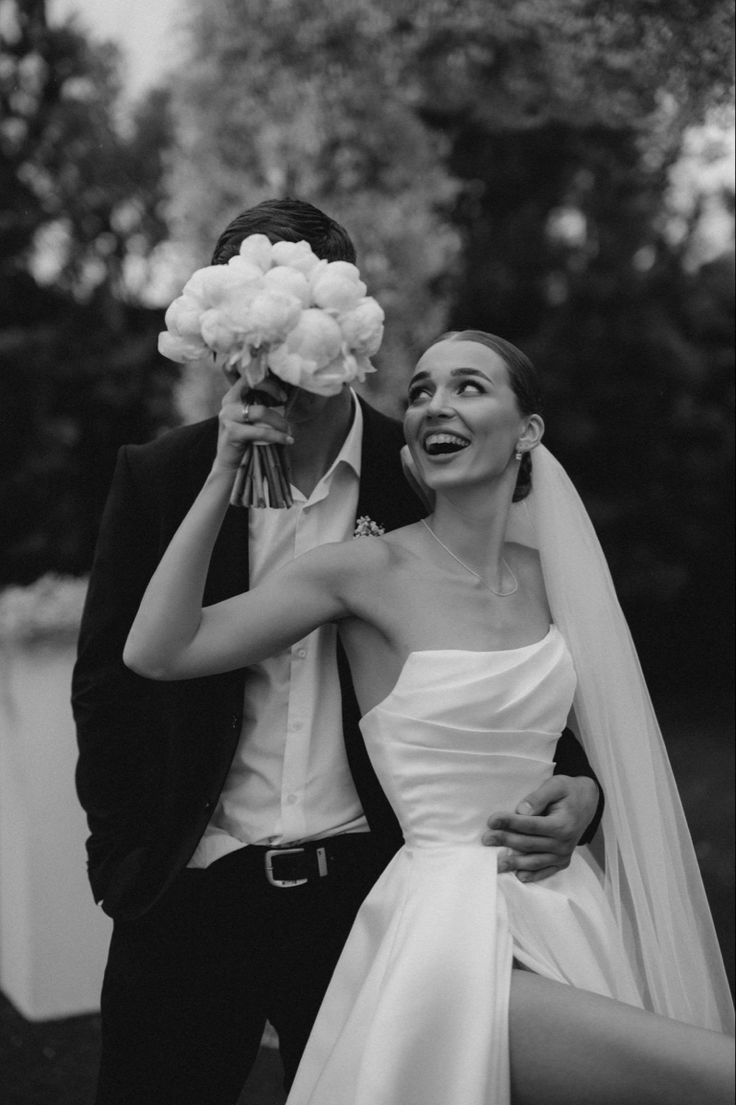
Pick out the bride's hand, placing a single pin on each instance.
(243, 424)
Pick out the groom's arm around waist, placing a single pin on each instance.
(570, 759)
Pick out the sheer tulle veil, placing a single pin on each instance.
(649, 869)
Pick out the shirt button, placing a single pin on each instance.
(291, 800)
(296, 725)
(301, 653)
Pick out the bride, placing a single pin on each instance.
(471, 636)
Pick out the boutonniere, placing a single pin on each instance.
(366, 527)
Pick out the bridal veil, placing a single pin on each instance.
(649, 869)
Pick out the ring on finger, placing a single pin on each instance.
(245, 412)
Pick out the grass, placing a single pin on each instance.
(55, 1063)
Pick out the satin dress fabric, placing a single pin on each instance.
(417, 1009)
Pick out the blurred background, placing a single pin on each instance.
(556, 171)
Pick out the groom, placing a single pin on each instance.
(236, 824)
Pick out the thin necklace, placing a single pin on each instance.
(504, 564)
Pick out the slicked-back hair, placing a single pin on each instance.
(286, 220)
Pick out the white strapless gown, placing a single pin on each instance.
(417, 1009)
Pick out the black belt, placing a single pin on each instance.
(297, 864)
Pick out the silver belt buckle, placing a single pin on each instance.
(269, 867)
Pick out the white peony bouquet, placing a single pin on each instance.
(276, 309)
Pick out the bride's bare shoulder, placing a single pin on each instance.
(382, 552)
(356, 556)
(371, 563)
(368, 562)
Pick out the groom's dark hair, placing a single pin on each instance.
(286, 220)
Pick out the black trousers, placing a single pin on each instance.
(189, 986)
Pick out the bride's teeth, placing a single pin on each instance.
(434, 443)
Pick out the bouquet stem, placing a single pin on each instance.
(262, 478)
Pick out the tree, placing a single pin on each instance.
(306, 99)
(568, 250)
(361, 108)
(81, 209)
(504, 166)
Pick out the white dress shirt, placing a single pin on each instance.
(289, 780)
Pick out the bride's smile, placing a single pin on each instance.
(437, 443)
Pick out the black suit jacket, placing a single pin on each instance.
(153, 756)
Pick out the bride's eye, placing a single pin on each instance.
(473, 385)
(418, 392)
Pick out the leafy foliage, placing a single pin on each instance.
(309, 100)
(79, 213)
(507, 166)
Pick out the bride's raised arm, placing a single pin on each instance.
(174, 637)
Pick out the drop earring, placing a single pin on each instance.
(518, 454)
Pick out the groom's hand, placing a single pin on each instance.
(540, 836)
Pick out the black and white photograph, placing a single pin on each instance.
(366, 573)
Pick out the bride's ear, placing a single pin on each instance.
(532, 434)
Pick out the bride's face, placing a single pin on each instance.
(463, 422)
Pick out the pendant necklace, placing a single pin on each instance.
(504, 564)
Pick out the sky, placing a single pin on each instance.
(144, 29)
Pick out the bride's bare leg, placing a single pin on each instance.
(571, 1047)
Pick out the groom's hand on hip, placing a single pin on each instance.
(540, 836)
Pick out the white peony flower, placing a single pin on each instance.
(308, 319)
(244, 270)
(276, 308)
(313, 344)
(271, 317)
(183, 316)
(257, 248)
(297, 255)
(337, 286)
(362, 327)
(282, 278)
(209, 285)
(236, 303)
(180, 349)
(218, 331)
